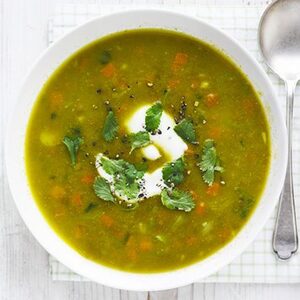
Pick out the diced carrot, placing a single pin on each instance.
(191, 240)
(146, 245)
(56, 99)
(131, 253)
(224, 234)
(60, 212)
(109, 70)
(79, 230)
(249, 106)
(190, 151)
(194, 84)
(173, 83)
(200, 208)
(57, 192)
(179, 60)
(106, 220)
(88, 179)
(214, 132)
(76, 200)
(211, 100)
(213, 190)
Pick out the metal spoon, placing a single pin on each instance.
(279, 41)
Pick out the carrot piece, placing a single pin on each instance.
(146, 245)
(173, 83)
(214, 132)
(76, 200)
(88, 179)
(57, 192)
(213, 190)
(191, 240)
(79, 230)
(200, 208)
(211, 100)
(109, 70)
(179, 60)
(56, 99)
(106, 220)
(249, 106)
(190, 151)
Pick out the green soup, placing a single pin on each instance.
(206, 196)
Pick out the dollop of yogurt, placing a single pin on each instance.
(165, 138)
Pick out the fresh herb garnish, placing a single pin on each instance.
(125, 187)
(90, 207)
(245, 203)
(177, 199)
(210, 162)
(153, 115)
(73, 144)
(102, 189)
(105, 57)
(125, 178)
(139, 140)
(173, 172)
(111, 127)
(185, 129)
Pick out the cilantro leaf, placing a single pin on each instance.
(127, 189)
(125, 177)
(153, 115)
(245, 203)
(102, 189)
(110, 127)
(210, 162)
(112, 166)
(139, 140)
(73, 144)
(173, 173)
(177, 199)
(185, 129)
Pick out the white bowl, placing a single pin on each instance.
(34, 81)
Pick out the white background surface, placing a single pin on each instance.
(24, 270)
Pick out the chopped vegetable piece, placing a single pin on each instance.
(102, 189)
(245, 203)
(185, 129)
(139, 140)
(109, 70)
(177, 199)
(153, 115)
(90, 207)
(111, 127)
(73, 144)
(173, 173)
(210, 162)
(213, 189)
(105, 57)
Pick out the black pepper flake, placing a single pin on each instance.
(141, 195)
(94, 144)
(87, 154)
(99, 91)
(131, 96)
(159, 131)
(144, 159)
(168, 128)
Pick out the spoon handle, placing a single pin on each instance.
(285, 237)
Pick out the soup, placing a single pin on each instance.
(147, 150)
